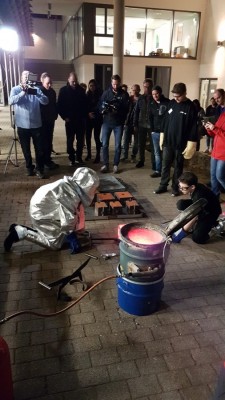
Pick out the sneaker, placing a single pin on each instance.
(115, 169)
(160, 190)
(104, 169)
(40, 174)
(140, 164)
(80, 161)
(175, 193)
(155, 175)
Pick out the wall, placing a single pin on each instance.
(213, 58)
(47, 39)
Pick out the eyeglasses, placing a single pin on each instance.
(183, 187)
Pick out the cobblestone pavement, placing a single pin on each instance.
(95, 350)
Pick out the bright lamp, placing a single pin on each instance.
(8, 39)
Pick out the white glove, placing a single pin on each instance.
(161, 140)
(190, 150)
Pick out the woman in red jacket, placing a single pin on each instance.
(217, 167)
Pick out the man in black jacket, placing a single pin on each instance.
(48, 116)
(72, 108)
(201, 225)
(114, 105)
(180, 137)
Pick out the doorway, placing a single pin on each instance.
(103, 74)
(207, 88)
(160, 76)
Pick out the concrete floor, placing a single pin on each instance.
(95, 350)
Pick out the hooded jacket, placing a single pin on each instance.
(57, 208)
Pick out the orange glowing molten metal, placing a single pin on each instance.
(144, 236)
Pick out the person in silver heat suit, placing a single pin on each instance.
(57, 212)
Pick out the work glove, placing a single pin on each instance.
(73, 242)
(190, 150)
(161, 139)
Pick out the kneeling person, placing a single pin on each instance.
(57, 212)
(201, 225)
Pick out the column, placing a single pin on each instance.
(118, 38)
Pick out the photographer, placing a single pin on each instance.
(114, 105)
(27, 99)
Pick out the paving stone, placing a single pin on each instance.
(165, 331)
(87, 344)
(173, 380)
(170, 318)
(143, 387)
(196, 393)
(184, 342)
(158, 347)
(104, 357)
(29, 353)
(84, 318)
(132, 352)
(100, 328)
(174, 395)
(114, 339)
(188, 327)
(123, 371)
(139, 335)
(46, 336)
(179, 360)
(208, 338)
(25, 389)
(112, 391)
(212, 324)
(151, 365)
(92, 376)
(30, 326)
(205, 355)
(122, 325)
(61, 382)
(75, 361)
(201, 374)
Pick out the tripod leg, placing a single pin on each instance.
(8, 157)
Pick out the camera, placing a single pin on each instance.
(109, 106)
(31, 82)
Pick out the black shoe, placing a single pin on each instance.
(11, 238)
(155, 175)
(96, 160)
(80, 161)
(88, 158)
(30, 172)
(40, 174)
(160, 190)
(72, 163)
(52, 165)
(140, 164)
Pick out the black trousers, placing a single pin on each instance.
(47, 138)
(25, 136)
(171, 157)
(204, 223)
(74, 129)
(93, 124)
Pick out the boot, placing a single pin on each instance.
(11, 238)
(97, 158)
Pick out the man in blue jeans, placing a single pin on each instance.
(157, 111)
(114, 105)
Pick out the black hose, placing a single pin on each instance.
(2, 321)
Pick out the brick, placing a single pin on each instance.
(196, 393)
(113, 339)
(165, 331)
(139, 335)
(205, 355)
(112, 391)
(100, 328)
(201, 374)
(174, 395)
(188, 327)
(104, 357)
(58, 383)
(151, 365)
(208, 338)
(132, 352)
(29, 353)
(26, 390)
(87, 344)
(158, 347)
(75, 362)
(122, 325)
(184, 342)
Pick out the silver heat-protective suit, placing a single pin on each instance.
(56, 209)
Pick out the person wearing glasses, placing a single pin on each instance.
(201, 225)
(179, 136)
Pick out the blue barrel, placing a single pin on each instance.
(139, 298)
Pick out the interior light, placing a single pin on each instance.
(9, 40)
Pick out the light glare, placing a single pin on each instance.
(8, 39)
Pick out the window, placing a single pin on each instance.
(104, 24)
(185, 34)
(158, 33)
(134, 31)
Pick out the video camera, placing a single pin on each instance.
(31, 82)
(109, 106)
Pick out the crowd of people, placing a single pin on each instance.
(172, 128)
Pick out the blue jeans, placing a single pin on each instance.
(217, 171)
(107, 129)
(157, 151)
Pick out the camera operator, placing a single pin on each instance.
(114, 105)
(27, 98)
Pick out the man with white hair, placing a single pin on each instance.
(26, 101)
(57, 212)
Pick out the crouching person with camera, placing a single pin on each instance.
(26, 99)
(57, 212)
(114, 105)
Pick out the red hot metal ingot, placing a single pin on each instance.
(107, 197)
